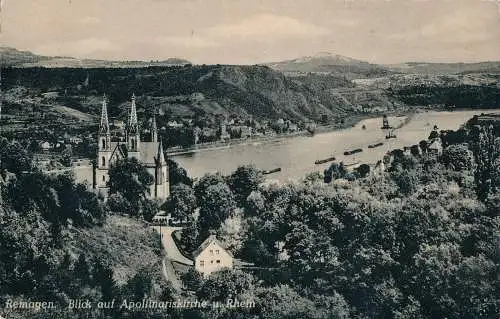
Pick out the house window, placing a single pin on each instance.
(217, 251)
(202, 263)
(103, 178)
(103, 161)
(211, 261)
(211, 252)
(218, 261)
(103, 143)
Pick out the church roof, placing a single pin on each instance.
(148, 152)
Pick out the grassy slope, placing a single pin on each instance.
(127, 244)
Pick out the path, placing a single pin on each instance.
(171, 249)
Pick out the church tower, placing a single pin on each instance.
(104, 148)
(133, 134)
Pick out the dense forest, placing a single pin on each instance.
(257, 92)
(461, 96)
(420, 240)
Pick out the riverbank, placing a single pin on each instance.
(348, 123)
(236, 142)
(296, 156)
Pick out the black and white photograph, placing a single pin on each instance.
(249, 159)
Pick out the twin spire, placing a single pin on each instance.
(133, 125)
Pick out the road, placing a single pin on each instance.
(171, 249)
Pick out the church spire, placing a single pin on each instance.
(133, 134)
(104, 132)
(133, 123)
(159, 154)
(154, 129)
(104, 126)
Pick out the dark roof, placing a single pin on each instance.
(117, 150)
(206, 243)
(148, 152)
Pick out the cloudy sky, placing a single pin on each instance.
(255, 31)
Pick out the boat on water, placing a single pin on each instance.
(390, 135)
(357, 150)
(326, 160)
(385, 123)
(375, 145)
(275, 170)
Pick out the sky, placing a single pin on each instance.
(255, 31)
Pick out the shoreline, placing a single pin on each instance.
(320, 129)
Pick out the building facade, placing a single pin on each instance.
(211, 256)
(148, 153)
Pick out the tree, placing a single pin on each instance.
(81, 268)
(226, 284)
(255, 204)
(406, 180)
(216, 206)
(245, 180)
(200, 189)
(458, 157)
(363, 170)
(177, 174)
(14, 157)
(140, 286)
(190, 236)
(192, 279)
(117, 203)
(102, 275)
(66, 158)
(149, 209)
(335, 171)
(130, 178)
(423, 146)
(181, 203)
(486, 149)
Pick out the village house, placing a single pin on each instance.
(212, 256)
(75, 140)
(174, 124)
(45, 146)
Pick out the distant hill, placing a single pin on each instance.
(12, 57)
(355, 69)
(256, 91)
(445, 68)
(330, 63)
(16, 58)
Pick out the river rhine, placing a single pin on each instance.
(296, 155)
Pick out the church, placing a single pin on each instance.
(150, 154)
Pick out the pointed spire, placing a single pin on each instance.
(133, 136)
(133, 115)
(160, 156)
(154, 130)
(104, 126)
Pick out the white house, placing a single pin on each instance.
(212, 256)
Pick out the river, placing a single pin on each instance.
(296, 155)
